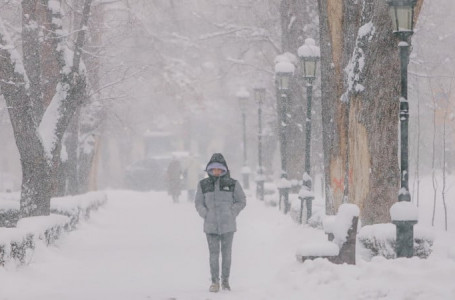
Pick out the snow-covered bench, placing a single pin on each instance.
(340, 246)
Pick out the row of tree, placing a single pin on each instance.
(61, 77)
(64, 67)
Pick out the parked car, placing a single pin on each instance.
(147, 174)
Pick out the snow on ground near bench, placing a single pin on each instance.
(142, 246)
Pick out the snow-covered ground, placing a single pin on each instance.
(142, 246)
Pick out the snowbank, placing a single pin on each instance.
(17, 244)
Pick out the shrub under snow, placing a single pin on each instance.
(17, 244)
(380, 240)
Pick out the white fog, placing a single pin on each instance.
(113, 114)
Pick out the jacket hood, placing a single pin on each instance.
(219, 158)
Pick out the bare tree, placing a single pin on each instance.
(80, 140)
(444, 150)
(416, 185)
(444, 165)
(433, 154)
(39, 126)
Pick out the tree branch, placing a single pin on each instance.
(31, 55)
(71, 89)
(81, 35)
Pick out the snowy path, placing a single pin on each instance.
(141, 246)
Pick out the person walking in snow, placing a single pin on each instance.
(174, 179)
(219, 199)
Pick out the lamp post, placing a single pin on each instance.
(259, 95)
(242, 96)
(284, 70)
(402, 14)
(309, 55)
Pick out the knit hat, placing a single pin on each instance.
(216, 165)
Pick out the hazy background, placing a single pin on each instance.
(176, 66)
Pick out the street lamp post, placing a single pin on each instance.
(309, 55)
(284, 70)
(402, 14)
(259, 94)
(243, 96)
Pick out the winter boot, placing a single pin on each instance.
(214, 287)
(225, 285)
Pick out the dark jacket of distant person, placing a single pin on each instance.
(174, 180)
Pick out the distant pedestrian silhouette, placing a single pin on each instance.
(174, 179)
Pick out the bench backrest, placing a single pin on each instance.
(344, 229)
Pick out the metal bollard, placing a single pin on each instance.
(260, 190)
(284, 186)
(307, 196)
(404, 215)
(405, 238)
(309, 205)
(284, 197)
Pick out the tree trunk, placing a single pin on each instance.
(36, 187)
(22, 87)
(72, 162)
(360, 99)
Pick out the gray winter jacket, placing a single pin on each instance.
(219, 201)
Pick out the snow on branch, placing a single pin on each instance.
(71, 86)
(64, 53)
(81, 37)
(15, 60)
(238, 31)
(356, 64)
(48, 126)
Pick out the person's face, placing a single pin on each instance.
(217, 172)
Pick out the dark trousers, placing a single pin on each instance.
(215, 242)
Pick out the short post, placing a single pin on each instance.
(404, 215)
(260, 179)
(283, 189)
(307, 196)
(309, 207)
(246, 177)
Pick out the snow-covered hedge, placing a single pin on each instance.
(78, 207)
(14, 244)
(9, 217)
(9, 209)
(17, 244)
(380, 240)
